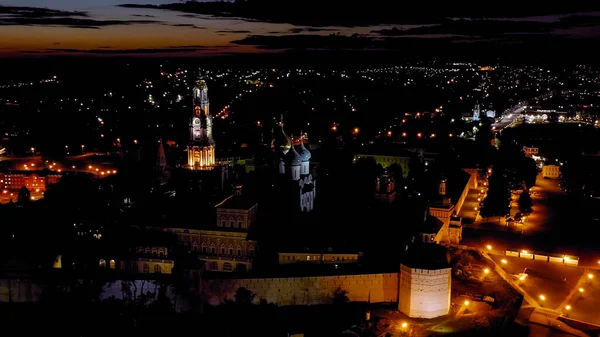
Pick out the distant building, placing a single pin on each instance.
(385, 188)
(328, 256)
(229, 245)
(425, 281)
(33, 180)
(551, 171)
(531, 151)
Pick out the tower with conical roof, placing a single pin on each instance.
(161, 158)
(201, 148)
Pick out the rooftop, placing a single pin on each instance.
(426, 256)
(237, 202)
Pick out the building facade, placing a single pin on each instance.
(551, 171)
(201, 148)
(32, 180)
(228, 245)
(318, 257)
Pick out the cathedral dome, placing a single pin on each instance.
(292, 158)
(304, 153)
(281, 141)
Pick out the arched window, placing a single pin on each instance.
(223, 221)
(214, 265)
(157, 268)
(239, 222)
(227, 266)
(251, 251)
(203, 247)
(161, 253)
(194, 247)
(238, 250)
(146, 268)
(102, 263)
(222, 249)
(230, 250)
(213, 249)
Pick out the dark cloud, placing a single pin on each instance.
(234, 31)
(310, 30)
(31, 16)
(103, 50)
(143, 15)
(333, 41)
(35, 12)
(184, 25)
(491, 28)
(340, 13)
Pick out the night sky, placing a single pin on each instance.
(101, 27)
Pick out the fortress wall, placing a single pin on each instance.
(306, 290)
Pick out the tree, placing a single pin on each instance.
(24, 195)
(497, 201)
(340, 296)
(244, 296)
(528, 171)
(525, 202)
(395, 171)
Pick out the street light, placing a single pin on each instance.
(568, 307)
(590, 276)
(404, 325)
(542, 297)
(486, 270)
(466, 303)
(489, 247)
(581, 290)
(504, 261)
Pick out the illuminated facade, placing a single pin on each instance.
(425, 282)
(15, 180)
(201, 148)
(228, 246)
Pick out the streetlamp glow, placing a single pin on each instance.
(590, 276)
(542, 297)
(489, 247)
(467, 303)
(503, 261)
(568, 307)
(486, 270)
(581, 290)
(404, 325)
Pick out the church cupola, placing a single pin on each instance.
(292, 163)
(281, 142)
(305, 156)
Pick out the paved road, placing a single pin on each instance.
(545, 278)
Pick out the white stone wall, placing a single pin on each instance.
(306, 290)
(424, 293)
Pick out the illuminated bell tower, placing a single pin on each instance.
(201, 148)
